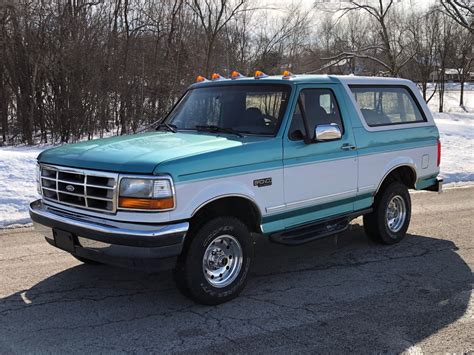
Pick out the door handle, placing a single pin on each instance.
(348, 146)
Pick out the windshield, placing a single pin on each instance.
(246, 109)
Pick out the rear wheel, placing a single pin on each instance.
(214, 265)
(389, 221)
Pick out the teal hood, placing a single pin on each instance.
(139, 153)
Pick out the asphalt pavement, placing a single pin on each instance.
(339, 295)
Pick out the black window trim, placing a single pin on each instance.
(303, 117)
(393, 86)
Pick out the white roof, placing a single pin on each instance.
(367, 80)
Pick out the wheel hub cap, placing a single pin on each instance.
(222, 261)
(396, 213)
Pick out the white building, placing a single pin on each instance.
(451, 74)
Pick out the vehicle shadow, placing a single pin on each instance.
(339, 294)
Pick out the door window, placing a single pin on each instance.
(320, 107)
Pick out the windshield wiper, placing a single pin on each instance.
(169, 127)
(216, 129)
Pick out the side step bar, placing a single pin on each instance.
(316, 230)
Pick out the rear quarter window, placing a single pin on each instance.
(387, 105)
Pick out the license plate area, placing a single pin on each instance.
(64, 240)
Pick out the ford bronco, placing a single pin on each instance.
(294, 158)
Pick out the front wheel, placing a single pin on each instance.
(215, 264)
(388, 223)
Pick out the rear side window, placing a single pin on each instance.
(387, 105)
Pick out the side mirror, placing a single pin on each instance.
(327, 132)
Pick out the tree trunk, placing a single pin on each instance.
(4, 116)
(3, 108)
(441, 92)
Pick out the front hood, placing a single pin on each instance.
(139, 153)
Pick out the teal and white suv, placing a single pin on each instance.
(293, 157)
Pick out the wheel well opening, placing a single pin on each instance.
(404, 174)
(238, 207)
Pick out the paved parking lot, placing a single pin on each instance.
(341, 294)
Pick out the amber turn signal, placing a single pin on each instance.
(146, 203)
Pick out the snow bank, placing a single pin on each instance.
(457, 147)
(456, 127)
(17, 184)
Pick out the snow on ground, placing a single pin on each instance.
(451, 85)
(18, 165)
(451, 101)
(17, 184)
(457, 146)
(456, 127)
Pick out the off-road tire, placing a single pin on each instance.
(376, 225)
(189, 273)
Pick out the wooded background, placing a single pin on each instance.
(78, 69)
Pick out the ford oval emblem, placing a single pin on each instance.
(70, 188)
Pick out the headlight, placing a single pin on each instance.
(146, 194)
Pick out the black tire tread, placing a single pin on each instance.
(374, 223)
(187, 270)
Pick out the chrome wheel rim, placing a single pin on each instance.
(222, 261)
(396, 213)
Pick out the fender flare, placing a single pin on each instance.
(220, 197)
(408, 162)
(204, 194)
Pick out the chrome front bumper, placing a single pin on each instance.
(102, 238)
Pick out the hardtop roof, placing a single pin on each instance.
(310, 79)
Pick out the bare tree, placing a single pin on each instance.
(4, 90)
(393, 51)
(213, 16)
(78, 69)
(462, 57)
(461, 11)
(278, 38)
(425, 33)
(445, 51)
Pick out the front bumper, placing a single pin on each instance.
(109, 241)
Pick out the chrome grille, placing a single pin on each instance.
(93, 190)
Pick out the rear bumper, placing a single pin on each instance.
(110, 241)
(436, 187)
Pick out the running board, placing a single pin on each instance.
(316, 230)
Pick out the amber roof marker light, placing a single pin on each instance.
(260, 74)
(216, 76)
(236, 75)
(288, 74)
(201, 79)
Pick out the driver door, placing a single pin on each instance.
(320, 178)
